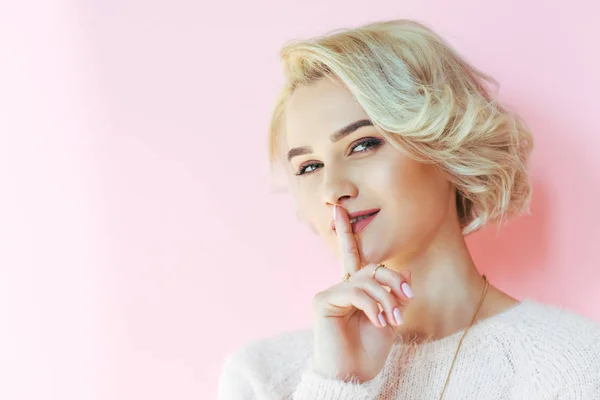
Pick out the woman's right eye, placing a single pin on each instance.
(308, 168)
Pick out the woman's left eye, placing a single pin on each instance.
(365, 145)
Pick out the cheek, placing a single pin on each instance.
(420, 193)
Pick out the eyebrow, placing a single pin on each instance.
(334, 137)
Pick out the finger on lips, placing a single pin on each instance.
(369, 291)
(350, 253)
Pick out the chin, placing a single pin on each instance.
(371, 251)
(374, 249)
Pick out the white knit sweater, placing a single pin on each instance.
(530, 351)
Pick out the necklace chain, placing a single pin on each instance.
(487, 284)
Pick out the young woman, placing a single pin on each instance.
(395, 149)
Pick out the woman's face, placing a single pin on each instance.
(337, 156)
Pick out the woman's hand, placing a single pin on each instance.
(352, 338)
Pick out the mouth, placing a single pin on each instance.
(360, 219)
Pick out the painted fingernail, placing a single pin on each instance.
(381, 319)
(397, 316)
(334, 212)
(407, 290)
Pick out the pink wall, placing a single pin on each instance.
(140, 238)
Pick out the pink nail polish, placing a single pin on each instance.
(382, 319)
(407, 290)
(398, 316)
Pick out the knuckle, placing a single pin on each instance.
(386, 298)
(390, 301)
(355, 293)
(371, 305)
(374, 312)
(318, 299)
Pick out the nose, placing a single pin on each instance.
(338, 187)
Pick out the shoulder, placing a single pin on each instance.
(267, 366)
(557, 327)
(559, 347)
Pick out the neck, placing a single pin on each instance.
(447, 288)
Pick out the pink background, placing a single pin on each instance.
(140, 238)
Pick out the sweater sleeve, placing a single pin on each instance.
(235, 382)
(282, 368)
(315, 386)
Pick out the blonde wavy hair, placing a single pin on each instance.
(429, 103)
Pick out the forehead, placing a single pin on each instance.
(315, 111)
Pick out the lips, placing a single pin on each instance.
(359, 219)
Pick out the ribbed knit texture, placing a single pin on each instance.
(530, 351)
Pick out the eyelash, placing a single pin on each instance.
(369, 143)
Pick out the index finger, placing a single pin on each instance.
(349, 251)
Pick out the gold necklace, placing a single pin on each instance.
(487, 284)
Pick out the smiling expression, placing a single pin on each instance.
(334, 154)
